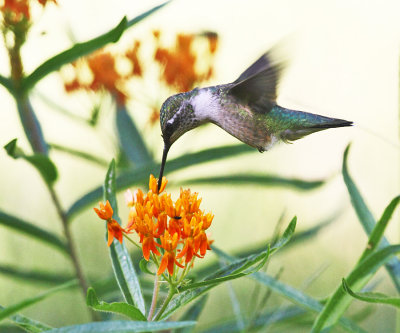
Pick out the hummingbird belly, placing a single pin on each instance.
(243, 124)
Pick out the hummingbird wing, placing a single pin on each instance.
(257, 85)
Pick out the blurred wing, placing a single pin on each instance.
(257, 85)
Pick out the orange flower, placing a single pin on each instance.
(114, 229)
(153, 186)
(168, 260)
(105, 212)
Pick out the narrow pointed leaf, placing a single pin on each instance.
(33, 231)
(140, 17)
(378, 231)
(12, 309)
(41, 162)
(286, 236)
(141, 174)
(235, 270)
(371, 297)
(193, 313)
(124, 309)
(75, 52)
(296, 239)
(130, 139)
(31, 125)
(292, 294)
(34, 276)
(80, 154)
(82, 49)
(258, 180)
(124, 271)
(28, 324)
(368, 221)
(122, 327)
(357, 279)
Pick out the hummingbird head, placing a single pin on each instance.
(176, 118)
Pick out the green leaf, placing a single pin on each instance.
(12, 309)
(286, 237)
(82, 49)
(7, 83)
(36, 276)
(130, 139)
(193, 313)
(124, 271)
(141, 174)
(41, 162)
(75, 52)
(292, 294)
(122, 327)
(357, 279)
(367, 220)
(296, 239)
(140, 17)
(81, 154)
(377, 233)
(371, 297)
(28, 324)
(31, 125)
(143, 267)
(258, 180)
(237, 269)
(33, 231)
(120, 308)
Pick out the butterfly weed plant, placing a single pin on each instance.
(170, 235)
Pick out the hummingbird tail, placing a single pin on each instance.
(297, 124)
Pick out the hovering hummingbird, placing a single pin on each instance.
(245, 108)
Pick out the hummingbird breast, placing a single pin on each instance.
(241, 122)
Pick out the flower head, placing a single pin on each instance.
(175, 230)
(178, 228)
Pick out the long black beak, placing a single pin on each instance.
(163, 161)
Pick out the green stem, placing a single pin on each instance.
(154, 298)
(70, 243)
(132, 241)
(171, 294)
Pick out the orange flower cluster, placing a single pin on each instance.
(102, 66)
(20, 9)
(175, 230)
(179, 67)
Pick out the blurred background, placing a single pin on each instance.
(343, 62)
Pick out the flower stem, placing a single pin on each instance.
(171, 294)
(133, 242)
(154, 298)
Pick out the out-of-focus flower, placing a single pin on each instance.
(180, 67)
(17, 10)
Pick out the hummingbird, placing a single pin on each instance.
(245, 108)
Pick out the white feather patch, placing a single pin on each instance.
(205, 105)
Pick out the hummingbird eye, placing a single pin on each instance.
(169, 128)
